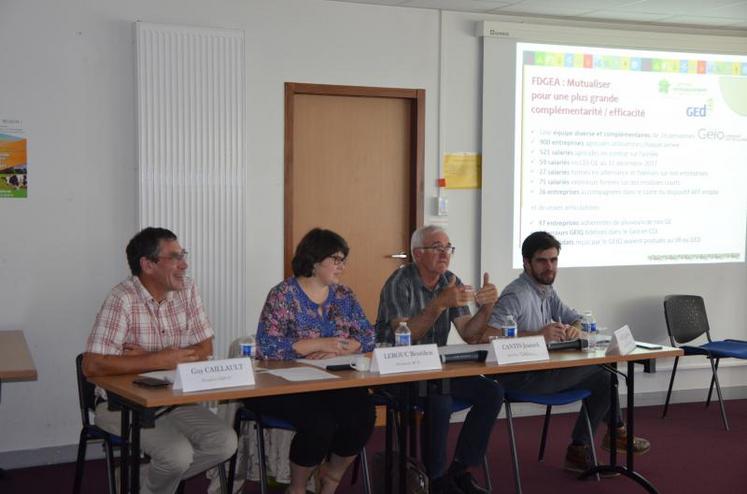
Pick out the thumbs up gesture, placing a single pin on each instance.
(455, 296)
(487, 294)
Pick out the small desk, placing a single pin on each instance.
(15, 360)
(141, 403)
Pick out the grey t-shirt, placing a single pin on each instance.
(405, 296)
(532, 304)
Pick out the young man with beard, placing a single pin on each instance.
(538, 310)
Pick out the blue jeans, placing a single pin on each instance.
(486, 398)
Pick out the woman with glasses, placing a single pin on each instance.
(311, 315)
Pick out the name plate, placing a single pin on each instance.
(214, 374)
(405, 359)
(622, 342)
(517, 350)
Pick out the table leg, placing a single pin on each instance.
(124, 454)
(2, 472)
(389, 428)
(403, 424)
(626, 470)
(630, 427)
(135, 453)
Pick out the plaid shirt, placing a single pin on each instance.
(131, 315)
(405, 296)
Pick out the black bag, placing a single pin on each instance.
(417, 480)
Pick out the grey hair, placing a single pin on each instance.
(417, 236)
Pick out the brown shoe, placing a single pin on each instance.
(640, 445)
(578, 460)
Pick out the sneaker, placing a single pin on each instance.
(640, 445)
(445, 485)
(578, 460)
(467, 483)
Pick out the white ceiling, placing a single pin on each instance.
(729, 15)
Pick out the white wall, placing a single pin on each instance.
(72, 85)
(618, 295)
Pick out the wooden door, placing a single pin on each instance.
(353, 164)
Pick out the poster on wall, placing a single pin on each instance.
(13, 164)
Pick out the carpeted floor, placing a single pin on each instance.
(691, 454)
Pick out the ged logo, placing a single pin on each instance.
(700, 111)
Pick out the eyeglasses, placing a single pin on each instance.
(441, 249)
(339, 260)
(174, 256)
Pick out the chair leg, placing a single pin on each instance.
(356, 467)
(718, 392)
(669, 390)
(232, 462)
(80, 461)
(486, 471)
(109, 455)
(585, 412)
(543, 440)
(412, 421)
(224, 489)
(262, 459)
(363, 457)
(710, 388)
(388, 446)
(512, 442)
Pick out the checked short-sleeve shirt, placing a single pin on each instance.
(404, 296)
(130, 315)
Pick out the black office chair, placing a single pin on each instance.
(686, 320)
(262, 422)
(91, 432)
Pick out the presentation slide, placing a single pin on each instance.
(631, 157)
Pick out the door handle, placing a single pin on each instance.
(400, 255)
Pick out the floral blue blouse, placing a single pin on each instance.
(289, 315)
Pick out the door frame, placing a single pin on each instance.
(417, 98)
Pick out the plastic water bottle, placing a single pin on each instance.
(248, 346)
(402, 335)
(510, 330)
(589, 326)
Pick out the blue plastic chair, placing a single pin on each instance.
(262, 422)
(686, 320)
(548, 400)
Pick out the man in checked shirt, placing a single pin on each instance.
(155, 320)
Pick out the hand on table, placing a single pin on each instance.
(169, 357)
(572, 332)
(554, 331)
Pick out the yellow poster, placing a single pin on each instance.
(463, 170)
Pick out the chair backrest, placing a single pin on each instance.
(234, 349)
(86, 392)
(686, 318)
